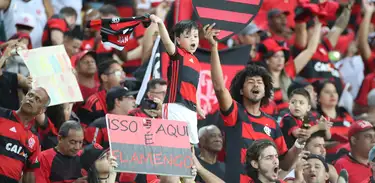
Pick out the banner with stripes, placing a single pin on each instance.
(230, 16)
(232, 60)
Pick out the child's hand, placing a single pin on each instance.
(210, 33)
(155, 19)
(324, 124)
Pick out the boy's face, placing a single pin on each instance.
(299, 105)
(189, 40)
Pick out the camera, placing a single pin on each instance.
(149, 104)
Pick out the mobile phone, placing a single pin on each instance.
(149, 104)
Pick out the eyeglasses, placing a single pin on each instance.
(116, 73)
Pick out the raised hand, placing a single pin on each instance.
(155, 19)
(368, 6)
(210, 33)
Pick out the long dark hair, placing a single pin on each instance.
(56, 115)
(93, 175)
(251, 70)
(318, 87)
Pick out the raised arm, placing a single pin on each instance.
(301, 35)
(163, 32)
(364, 47)
(305, 56)
(222, 93)
(340, 24)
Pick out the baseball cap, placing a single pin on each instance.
(359, 126)
(25, 19)
(250, 29)
(321, 158)
(90, 154)
(117, 92)
(298, 82)
(371, 155)
(77, 57)
(276, 12)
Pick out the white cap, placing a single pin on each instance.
(25, 19)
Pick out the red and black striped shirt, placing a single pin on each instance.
(183, 78)
(289, 123)
(54, 23)
(93, 108)
(57, 168)
(241, 130)
(19, 147)
(320, 66)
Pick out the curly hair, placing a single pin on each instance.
(251, 70)
(253, 153)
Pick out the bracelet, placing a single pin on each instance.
(298, 145)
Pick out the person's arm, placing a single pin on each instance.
(291, 156)
(24, 82)
(148, 42)
(217, 77)
(135, 53)
(301, 35)
(340, 24)
(333, 176)
(4, 4)
(49, 8)
(10, 45)
(163, 32)
(57, 37)
(363, 46)
(305, 56)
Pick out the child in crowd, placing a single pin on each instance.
(181, 102)
(298, 123)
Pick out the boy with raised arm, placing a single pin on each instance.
(181, 102)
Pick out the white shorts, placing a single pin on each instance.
(178, 112)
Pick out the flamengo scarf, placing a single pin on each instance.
(116, 31)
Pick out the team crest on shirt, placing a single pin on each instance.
(267, 130)
(346, 123)
(31, 142)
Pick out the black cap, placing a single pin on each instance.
(117, 92)
(90, 154)
(321, 158)
(276, 12)
(298, 82)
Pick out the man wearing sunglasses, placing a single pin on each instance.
(111, 75)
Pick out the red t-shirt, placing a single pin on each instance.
(357, 172)
(367, 85)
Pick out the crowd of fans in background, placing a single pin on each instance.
(301, 110)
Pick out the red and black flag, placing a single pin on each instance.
(116, 31)
(230, 16)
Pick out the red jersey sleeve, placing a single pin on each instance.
(370, 62)
(42, 174)
(230, 116)
(288, 124)
(280, 141)
(93, 135)
(364, 90)
(290, 69)
(32, 161)
(57, 24)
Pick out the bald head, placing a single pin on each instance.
(210, 138)
(44, 94)
(35, 102)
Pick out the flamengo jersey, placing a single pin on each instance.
(19, 147)
(241, 130)
(183, 78)
(36, 9)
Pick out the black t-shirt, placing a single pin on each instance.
(8, 91)
(218, 169)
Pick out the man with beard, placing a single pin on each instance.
(19, 145)
(243, 120)
(262, 162)
(210, 144)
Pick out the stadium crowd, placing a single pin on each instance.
(301, 109)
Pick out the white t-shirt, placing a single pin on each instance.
(75, 4)
(34, 8)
